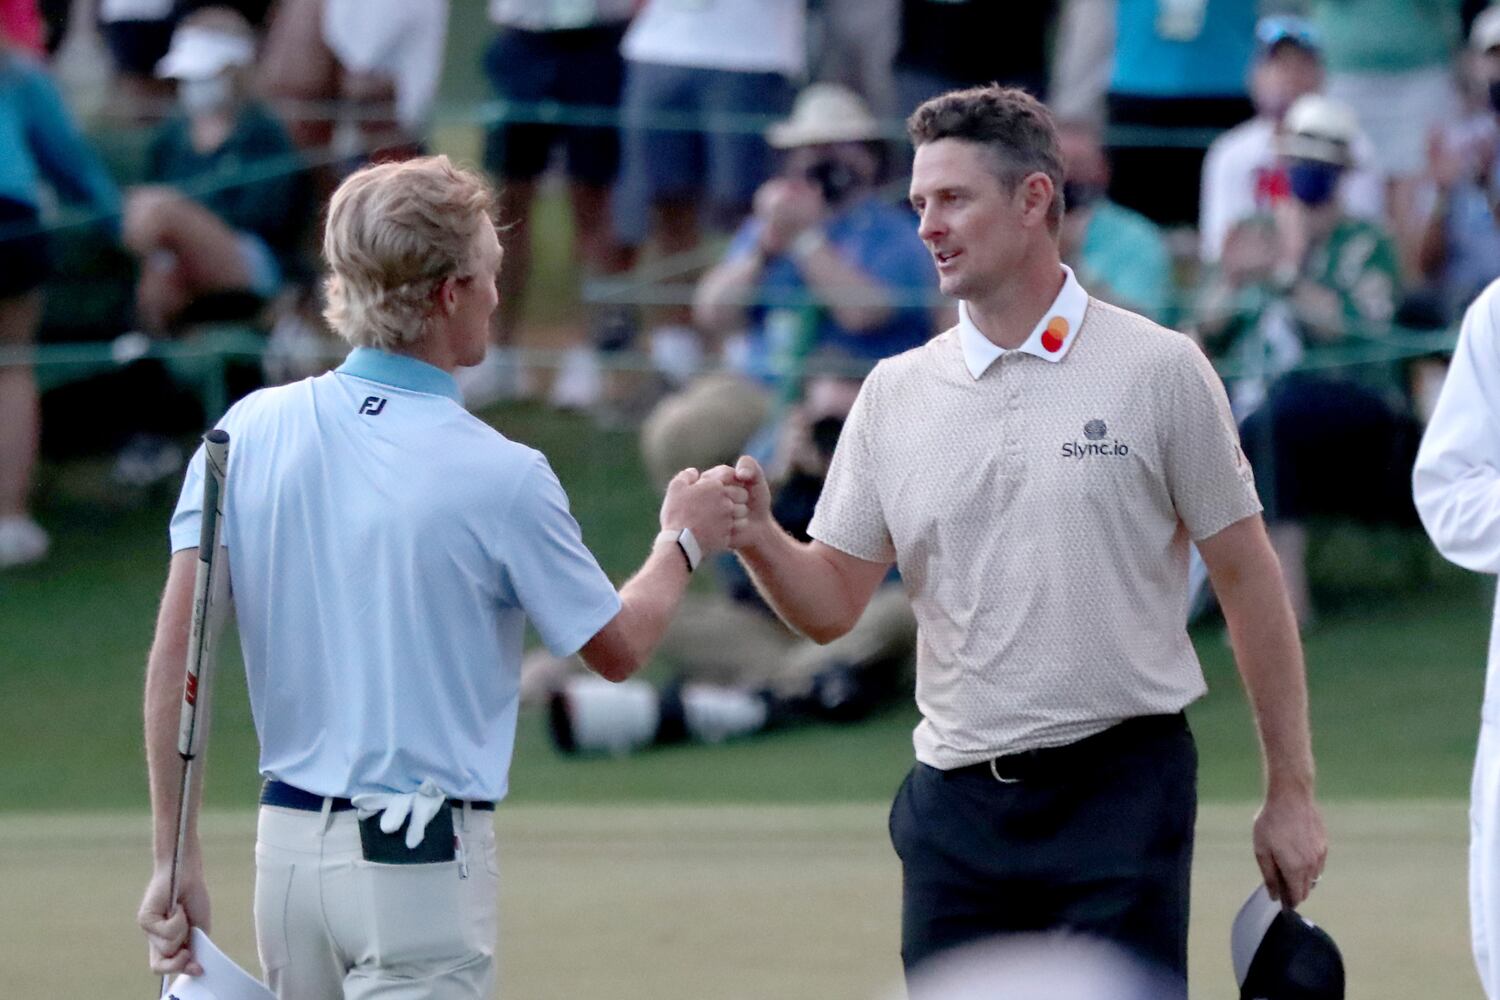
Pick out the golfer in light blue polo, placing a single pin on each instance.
(386, 549)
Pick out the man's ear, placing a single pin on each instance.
(445, 297)
(1036, 192)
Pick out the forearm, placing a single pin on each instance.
(165, 672)
(804, 589)
(719, 301)
(857, 301)
(648, 601)
(1268, 653)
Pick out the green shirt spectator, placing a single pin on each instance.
(1387, 36)
(253, 181)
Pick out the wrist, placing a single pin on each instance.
(1290, 782)
(685, 542)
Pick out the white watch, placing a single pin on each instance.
(691, 551)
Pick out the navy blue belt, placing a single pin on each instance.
(279, 793)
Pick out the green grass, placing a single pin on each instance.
(1396, 667)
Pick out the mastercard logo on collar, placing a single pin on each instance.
(1055, 335)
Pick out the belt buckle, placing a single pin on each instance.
(995, 773)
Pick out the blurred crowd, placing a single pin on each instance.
(1295, 184)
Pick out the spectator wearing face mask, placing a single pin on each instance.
(217, 229)
(226, 204)
(821, 264)
(1336, 438)
(1459, 253)
(1242, 175)
(1118, 254)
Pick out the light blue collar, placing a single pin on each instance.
(401, 371)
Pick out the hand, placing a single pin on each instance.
(1249, 254)
(706, 504)
(756, 523)
(1444, 165)
(785, 207)
(1291, 845)
(1292, 235)
(169, 933)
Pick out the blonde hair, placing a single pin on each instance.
(395, 232)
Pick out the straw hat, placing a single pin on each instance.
(1319, 128)
(825, 112)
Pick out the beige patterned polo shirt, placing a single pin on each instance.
(1039, 504)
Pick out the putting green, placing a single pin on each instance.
(687, 903)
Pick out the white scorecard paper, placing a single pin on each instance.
(221, 979)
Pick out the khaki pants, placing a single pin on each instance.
(719, 641)
(331, 926)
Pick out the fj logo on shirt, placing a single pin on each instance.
(1095, 431)
(372, 406)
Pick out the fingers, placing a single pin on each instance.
(167, 943)
(1275, 884)
(686, 477)
(748, 471)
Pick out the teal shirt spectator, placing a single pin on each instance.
(879, 239)
(1387, 36)
(1124, 260)
(40, 142)
(254, 181)
(1183, 48)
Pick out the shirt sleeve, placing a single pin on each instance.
(849, 515)
(187, 519)
(1208, 476)
(1456, 482)
(553, 577)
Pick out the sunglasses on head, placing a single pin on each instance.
(1271, 31)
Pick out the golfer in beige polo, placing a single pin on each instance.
(1037, 473)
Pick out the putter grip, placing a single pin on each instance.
(215, 463)
(200, 641)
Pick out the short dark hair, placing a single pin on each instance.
(1015, 127)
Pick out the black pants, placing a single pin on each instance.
(1095, 837)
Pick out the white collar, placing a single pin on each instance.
(1050, 339)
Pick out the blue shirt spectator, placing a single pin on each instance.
(38, 141)
(878, 238)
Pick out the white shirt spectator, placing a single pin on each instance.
(748, 36)
(395, 38)
(1241, 179)
(559, 15)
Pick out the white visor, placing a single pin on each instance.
(202, 53)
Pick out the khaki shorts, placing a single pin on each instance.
(332, 926)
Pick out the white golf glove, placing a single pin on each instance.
(421, 806)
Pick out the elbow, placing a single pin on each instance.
(618, 668)
(824, 632)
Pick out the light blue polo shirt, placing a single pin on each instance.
(386, 549)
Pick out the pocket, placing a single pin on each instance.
(416, 916)
(273, 890)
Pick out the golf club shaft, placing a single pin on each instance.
(194, 719)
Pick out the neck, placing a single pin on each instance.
(1007, 315)
(432, 349)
